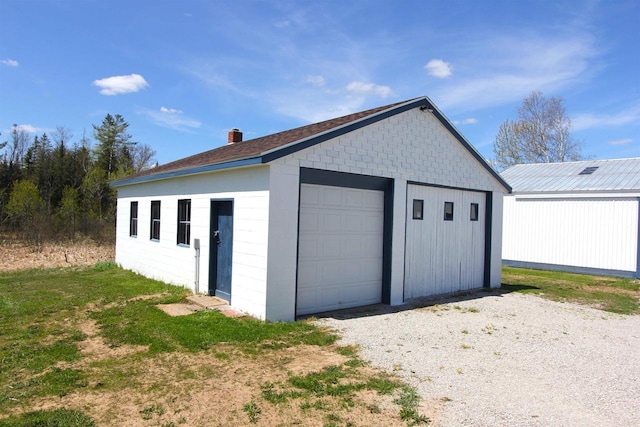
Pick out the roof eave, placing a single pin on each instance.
(187, 171)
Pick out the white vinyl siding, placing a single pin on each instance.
(444, 253)
(340, 248)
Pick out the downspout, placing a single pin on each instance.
(196, 246)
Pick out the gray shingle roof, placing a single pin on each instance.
(616, 175)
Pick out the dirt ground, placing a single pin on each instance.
(20, 256)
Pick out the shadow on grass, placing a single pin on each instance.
(422, 302)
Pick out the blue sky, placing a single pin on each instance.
(183, 73)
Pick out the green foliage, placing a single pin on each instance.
(51, 418)
(105, 265)
(69, 209)
(409, 401)
(382, 385)
(113, 153)
(148, 412)
(141, 323)
(252, 411)
(617, 295)
(26, 210)
(72, 180)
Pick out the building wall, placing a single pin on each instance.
(283, 242)
(165, 260)
(410, 147)
(577, 232)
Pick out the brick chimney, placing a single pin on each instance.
(234, 136)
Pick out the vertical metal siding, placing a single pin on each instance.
(591, 233)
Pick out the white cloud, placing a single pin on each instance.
(514, 67)
(467, 121)
(282, 24)
(171, 118)
(117, 85)
(29, 128)
(10, 62)
(621, 118)
(170, 110)
(438, 68)
(370, 88)
(316, 80)
(313, 109)
(620, 141)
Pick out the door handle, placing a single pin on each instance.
(216, 235)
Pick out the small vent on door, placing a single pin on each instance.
(588, 170)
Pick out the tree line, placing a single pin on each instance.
(53, 187)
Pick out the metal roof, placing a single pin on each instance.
(616, 175)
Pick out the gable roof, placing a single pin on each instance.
(271, 147)
(616, 175)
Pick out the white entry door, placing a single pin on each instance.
(340, 248)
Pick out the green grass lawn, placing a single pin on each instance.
(617, 295)
(42, 313)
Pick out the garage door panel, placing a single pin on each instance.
(307, 274)
(444, 256)
(310, 197)
(340, 261)
(330, 196)
(309, 221)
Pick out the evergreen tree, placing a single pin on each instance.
(113, 153)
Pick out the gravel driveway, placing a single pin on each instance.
(507, 360)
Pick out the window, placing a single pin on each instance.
(448, 211)
(418, 209)
(184, 221)
(474, 212)
(133, 220)
(155, 220)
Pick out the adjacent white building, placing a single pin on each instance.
(575, 216)
(374, 207)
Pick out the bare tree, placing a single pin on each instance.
(143, 156)
(540, 135)
(17, 145)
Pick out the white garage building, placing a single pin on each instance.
(576, 216)
(374, 207)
